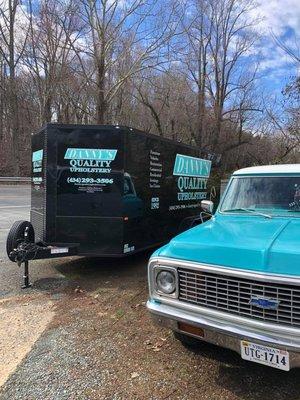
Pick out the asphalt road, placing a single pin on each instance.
(14, 205)
(83, 332)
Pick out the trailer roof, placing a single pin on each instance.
(270, 170)
(121, 128)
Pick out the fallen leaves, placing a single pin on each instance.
(135, 375)
(101, 314)
(157, 346)
(135, 306)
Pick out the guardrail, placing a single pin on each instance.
(15, 179)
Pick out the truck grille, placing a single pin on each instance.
(233, 294)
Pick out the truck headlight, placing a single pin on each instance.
(166, 281)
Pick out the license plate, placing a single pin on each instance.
(59, 250)
(265, 355)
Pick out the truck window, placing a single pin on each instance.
(276, 194)
(128, 186)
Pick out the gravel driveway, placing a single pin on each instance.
(89, 336)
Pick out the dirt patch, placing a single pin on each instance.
(22, 321)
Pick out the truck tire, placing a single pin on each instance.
(188, 341)
(16, 235)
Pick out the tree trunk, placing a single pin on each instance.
(47, 114)
(100, 96)
(13, 97)
(2, 75)
(15, 125)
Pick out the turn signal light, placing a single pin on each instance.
(194, 330)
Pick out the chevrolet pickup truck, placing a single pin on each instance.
(234, 280)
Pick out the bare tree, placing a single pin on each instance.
(11, 51)
(198, 30)
(291, 49)
(116, 31)
(286, 121)
(219, 34)
(232, 38)
(48, 55)
(184, 74)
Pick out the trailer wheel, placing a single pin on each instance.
(17, 234)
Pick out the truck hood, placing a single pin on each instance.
(244, 242)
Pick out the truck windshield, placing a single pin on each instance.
(276, 196)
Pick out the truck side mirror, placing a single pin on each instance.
(207, 206)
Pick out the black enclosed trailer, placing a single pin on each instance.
(101, 190)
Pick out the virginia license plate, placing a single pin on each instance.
(266, 355)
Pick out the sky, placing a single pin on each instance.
(282, 19)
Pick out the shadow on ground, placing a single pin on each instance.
(93, 273)
(249, 381)
(90, 273)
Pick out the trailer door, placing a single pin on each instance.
(90, 188)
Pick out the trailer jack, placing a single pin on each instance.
(26, 283)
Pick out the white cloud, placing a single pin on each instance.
(280, 19)
(278, 15)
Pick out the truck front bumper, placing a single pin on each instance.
(224, 333)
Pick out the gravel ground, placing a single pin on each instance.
(100, 343)
(16, 342)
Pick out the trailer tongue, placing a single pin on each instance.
(106, 191)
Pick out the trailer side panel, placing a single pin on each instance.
(169, 180)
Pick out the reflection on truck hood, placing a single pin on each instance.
(244, 242)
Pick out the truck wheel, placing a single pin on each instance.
(16, 235)
(187, 341)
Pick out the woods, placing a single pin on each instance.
(187, 70)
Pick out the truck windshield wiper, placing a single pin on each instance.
(249, 210)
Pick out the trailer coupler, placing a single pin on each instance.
(27, 251)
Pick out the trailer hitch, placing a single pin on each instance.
(27, 250)
(26, 283)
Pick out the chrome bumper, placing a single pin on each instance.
(227, 334)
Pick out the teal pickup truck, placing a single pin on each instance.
(234, 280)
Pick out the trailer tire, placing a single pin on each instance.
(16, 235)
(188, 341)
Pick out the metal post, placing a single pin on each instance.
(26, 276)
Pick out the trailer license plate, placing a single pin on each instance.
(266, 355)
(59, 250)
